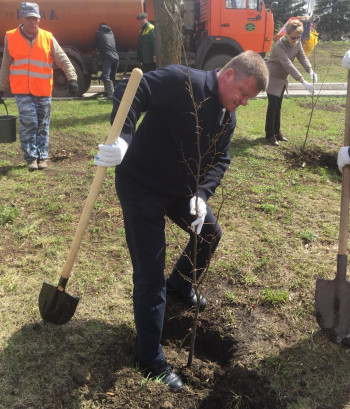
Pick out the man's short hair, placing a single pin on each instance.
(30, 10)
(250, 64)
(141, 16)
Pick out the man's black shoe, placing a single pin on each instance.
(273, 141)
(281, 137)
(190, 299)
(162, 372)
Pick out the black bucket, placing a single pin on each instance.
(7, 127)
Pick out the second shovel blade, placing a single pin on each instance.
(332, 308)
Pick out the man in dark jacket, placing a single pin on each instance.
(106, 45)
(170, 166)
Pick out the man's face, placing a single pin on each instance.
(235, 92)
(142, 22)
(30, 25)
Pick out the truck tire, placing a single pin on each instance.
(216, 61)
(87, 83)
(60, 82)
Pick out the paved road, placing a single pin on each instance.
(327, 89)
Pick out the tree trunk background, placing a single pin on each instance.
(168, 32)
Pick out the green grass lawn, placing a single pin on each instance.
(326, 61)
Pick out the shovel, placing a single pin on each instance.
(332, 301)
(55, 305)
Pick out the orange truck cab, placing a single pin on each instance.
(214, 31)
(225, 28)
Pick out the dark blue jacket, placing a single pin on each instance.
(105, 42)
(163, 153)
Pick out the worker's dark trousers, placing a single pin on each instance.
(144, 214)
(109, 69)
(273, 115)
(148, 67)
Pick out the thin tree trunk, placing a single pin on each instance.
(168, 32)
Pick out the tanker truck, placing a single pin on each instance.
(213, 31)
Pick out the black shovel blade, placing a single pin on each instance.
(56, 306)
(332, 308)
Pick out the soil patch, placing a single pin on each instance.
(311, 158)
(220, 376)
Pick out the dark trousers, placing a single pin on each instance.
(109, 69)
(148, 67)
(144, 214)
(273, 115)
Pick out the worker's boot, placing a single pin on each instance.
(109, 89)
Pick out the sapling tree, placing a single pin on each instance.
(168, 10)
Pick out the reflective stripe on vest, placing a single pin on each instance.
(31, 72)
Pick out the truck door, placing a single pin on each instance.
(242, 21)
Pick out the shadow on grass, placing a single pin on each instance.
(55, 367)
(72, 122)
(43, 365)
(312, 373)
(239, 144)
(239, 387)
(4, 170)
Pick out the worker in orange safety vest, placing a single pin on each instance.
(27, 66)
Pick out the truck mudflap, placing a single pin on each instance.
(215, 52)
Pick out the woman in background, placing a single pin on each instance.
(280, 64)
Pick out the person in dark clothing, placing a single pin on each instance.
(146, 48)
(156, 177)
(106, 45)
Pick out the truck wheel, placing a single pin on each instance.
(60, 82)
(87, 83)
(217, 61)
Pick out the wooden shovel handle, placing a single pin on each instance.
(114, 133)
(344, 207)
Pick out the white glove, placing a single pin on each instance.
(346, 61)
(309, 87)
(313, 75)
(111, 155)
(198, 208)
(343, 157)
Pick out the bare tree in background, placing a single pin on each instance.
(168, 32)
